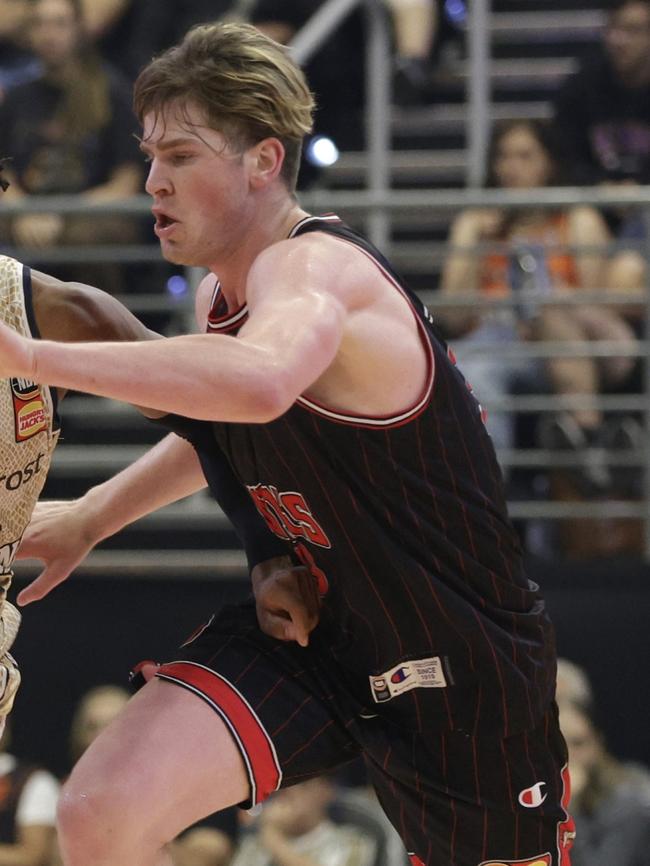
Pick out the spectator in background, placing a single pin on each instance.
(535, 249)
(17, 64)
(602, 114)
(335, 72)
(610, 800)
(424, 32)
(293, 827)
(149, 27)
(70, 131)
(572, 686)
(96, 709)
(28, 798)
(206, 844)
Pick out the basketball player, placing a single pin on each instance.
(358, 440)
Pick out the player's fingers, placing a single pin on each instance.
(287, 621)
(275, 624)
(42, 585)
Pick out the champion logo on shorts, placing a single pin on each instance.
(531, 798)
(415, 674)
(540, 860)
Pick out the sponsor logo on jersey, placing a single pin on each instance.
(533, 797)
(540, 860)
(417, 674)
(19, 477)
(30, 413)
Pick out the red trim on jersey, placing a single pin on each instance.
(228, 320)
(250, 736)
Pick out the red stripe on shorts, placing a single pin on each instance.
(566, 830)
(248, 732)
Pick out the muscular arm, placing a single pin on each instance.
(292, 336)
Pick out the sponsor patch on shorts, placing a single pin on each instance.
(540, 860)
(418, 674)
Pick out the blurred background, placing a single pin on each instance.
(498, 151)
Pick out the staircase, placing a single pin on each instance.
(535, 44)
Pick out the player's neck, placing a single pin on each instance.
(268, 226)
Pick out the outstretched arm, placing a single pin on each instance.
(292, 336)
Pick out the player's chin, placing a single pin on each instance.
(173, 253)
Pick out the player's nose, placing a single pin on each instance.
(157, 182)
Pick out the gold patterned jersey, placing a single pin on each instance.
(27, 425)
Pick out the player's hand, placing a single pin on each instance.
(286, 599)
(58, 536)
(16, 354)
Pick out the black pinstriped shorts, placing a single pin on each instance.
(456, 800)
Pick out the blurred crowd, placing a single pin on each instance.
(336, 820)
(66, 70)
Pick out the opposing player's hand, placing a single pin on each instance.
(286, 599)
(57, 535)
(16, 354)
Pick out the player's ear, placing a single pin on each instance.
(266, 160)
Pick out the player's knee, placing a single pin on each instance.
(89, 820)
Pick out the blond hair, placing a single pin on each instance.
(246, 85)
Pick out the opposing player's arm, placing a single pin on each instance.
(74, 312)
(293, 334)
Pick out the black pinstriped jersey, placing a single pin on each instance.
(427, 614)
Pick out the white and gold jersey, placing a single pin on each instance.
(27, 423)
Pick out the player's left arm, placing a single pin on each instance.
(293, 334)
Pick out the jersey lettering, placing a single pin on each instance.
(287, 515)
(18, 477)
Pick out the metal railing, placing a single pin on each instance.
(448, 202)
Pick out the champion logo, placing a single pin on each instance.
(531, 798)
(400, 675)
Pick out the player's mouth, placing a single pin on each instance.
(164, 223)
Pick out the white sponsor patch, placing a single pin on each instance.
(418, 674)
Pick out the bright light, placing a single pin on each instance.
(456, 10)
(322, 152)
(177, 285)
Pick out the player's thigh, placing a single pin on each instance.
(475, 801)
(167, 761)
(281, 703)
